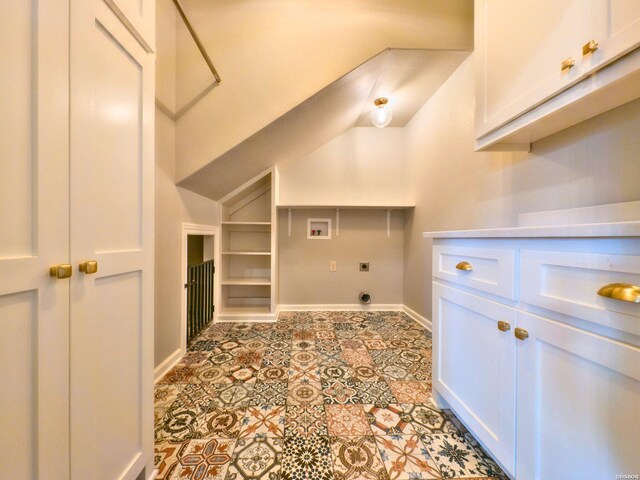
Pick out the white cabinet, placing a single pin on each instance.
(76, 353)
(547, 379)
(578, 403)
(474, 366)
(527, 53)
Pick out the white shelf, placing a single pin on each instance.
(246, 281)
(247, 253)
(247, 226)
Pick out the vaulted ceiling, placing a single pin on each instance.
(298, 73)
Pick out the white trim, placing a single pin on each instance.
(242, 318)
(356, 307)
(249, 198)
(206, 230)
(344, 307)
(425, 322)
(246, 185)
(166, 365)
(153, 475)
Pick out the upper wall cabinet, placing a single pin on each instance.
(139, 16)
(546, 65)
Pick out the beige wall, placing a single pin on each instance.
(361, 166)
(174, 205)
(304, 264)
(593, 163)
(273, 55)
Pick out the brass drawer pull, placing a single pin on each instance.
(504, 326)
(466, 266)
(521, 333)
(61, 271)
(89, 267)
(567, 64)
(621, 291)
(590, 47)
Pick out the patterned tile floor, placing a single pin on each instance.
(323, 395)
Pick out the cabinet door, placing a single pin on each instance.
(519, 49)
(615, 26)
(34, 235)
(578, 404)
(474, 366)
(112, 107)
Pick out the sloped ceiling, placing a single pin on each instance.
(274, 55)
(408, 77)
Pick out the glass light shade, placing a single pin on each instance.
(381, 114)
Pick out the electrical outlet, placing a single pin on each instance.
(333, 266)
(364, 266)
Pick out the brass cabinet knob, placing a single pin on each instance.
(621, 291)
(590, 47)
(466, 266)
(521, 333)
(567, 64)
(504, 326)
(61, 271)
(89, 267)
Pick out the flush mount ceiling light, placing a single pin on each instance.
(382, 114)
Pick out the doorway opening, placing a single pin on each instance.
(199, 262)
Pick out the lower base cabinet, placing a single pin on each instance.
(547, 379)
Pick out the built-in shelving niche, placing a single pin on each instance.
(247, 280)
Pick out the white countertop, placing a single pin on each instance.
(616, 229)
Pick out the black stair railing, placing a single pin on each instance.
(200, 303)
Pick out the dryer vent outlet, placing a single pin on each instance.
(364, 297)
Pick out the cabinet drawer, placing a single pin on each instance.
(492, 269)
(568, 282)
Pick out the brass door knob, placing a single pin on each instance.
(61, 271)
(621, 291)
(567, 64)
(504, 326)
(590, 47)
(89, 267)
(466, 266)
(521, 333)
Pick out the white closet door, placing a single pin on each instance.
(34, 235)
(112, 106)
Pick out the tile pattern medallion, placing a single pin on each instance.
(313, 396)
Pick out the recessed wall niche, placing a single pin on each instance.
(318, 228)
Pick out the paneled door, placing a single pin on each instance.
(474, 366)
(112, 107)
(34, 236)
(578, 410)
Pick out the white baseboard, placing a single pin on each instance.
(356, 307)
(425, 322)
(341, 307)
(168, 363)
(153, 475)
(240, 318)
